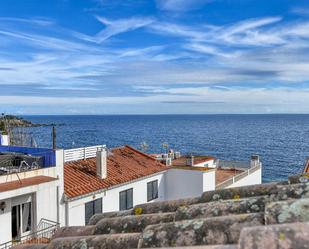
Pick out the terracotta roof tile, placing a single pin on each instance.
(182, 161)
(123, 165)
(8, 186)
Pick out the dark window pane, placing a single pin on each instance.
(122, 200)
(155, 190)
(152, 190)
(98, 206)
(149, 191)
(130, 198)
(88, 211)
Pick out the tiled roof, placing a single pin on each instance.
(272, 215)
(8, 186)
(182, 161)
(124, 164)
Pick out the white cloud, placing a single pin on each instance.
(117, 27)
(180, 5)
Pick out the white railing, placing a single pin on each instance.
(81, 153)
(238, 177)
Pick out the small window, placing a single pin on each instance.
(126, 199)
(91, 208)
(152, 190)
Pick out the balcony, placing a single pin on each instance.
(236, 171)
(43, 234)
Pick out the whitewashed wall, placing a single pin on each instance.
(44, 195)
(209, 180)
(76, 208)
(5, 221)
(209, 164)
(252, 179)
(182, 183)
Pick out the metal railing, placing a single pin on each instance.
(238, 177)
(11, 163)
(81, 153)
(41, 236)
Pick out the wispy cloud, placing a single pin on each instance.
(168, 63)
(117, 27)
(181, 5)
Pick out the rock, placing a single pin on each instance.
(131, 224)
(287, 211)
(287, 236)
(210, 231)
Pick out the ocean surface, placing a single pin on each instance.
(282, 141)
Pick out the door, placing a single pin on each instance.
(21, 220)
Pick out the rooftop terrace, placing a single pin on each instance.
(15, 159)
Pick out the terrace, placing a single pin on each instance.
(15, 159)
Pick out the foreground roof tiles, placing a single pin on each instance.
(124, 164)
(266, 216)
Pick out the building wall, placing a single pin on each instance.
(5, 221)
(209, 180)
(209, 164)
(252, 179)
(182, 183)
(44, 197)
(76, 208)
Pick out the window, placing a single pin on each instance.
(91, 208)
(152, 190)
(126, 199)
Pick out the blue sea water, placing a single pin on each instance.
(282, 141)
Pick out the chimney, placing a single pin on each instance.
(190, 161)
(254, 161)
(102, 163)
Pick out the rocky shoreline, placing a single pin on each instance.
(15, 121)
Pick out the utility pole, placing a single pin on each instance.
(54, 138)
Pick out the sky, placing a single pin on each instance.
(154, 56)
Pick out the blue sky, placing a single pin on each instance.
(154, 56)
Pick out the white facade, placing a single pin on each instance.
(41, 201)
(185, 183)
(49, 201)
(110, 198)
(250, 179)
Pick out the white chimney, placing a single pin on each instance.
(102, 163)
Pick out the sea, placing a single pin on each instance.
(282, 141)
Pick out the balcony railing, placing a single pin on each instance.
(81, 153)
(45, 231)
(238, 177)
(16, 163)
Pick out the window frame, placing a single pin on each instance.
(127, 206)
(94, 208)
(153, 184)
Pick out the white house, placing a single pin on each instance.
(67, 187)
(31, 183)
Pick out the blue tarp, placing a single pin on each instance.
(49, 156)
